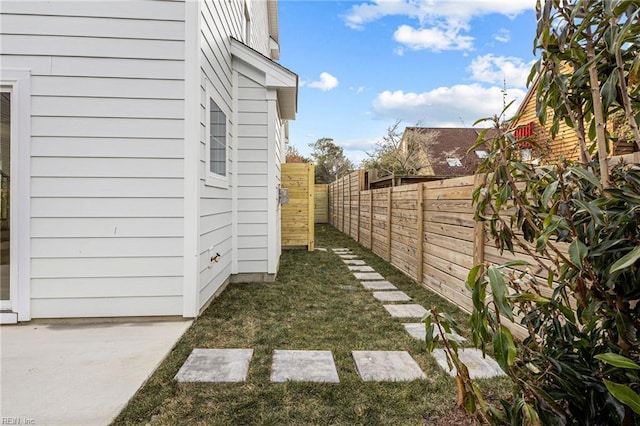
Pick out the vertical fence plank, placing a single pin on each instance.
(420, 232)
(389, 207)
(349, 202)
(371, 219)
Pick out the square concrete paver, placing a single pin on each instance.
(303, 366)
(364, 276)
(391, 296)
(347, 256)
(418, 331)
(406, 311)
(378, 285)
(479, 367)
(361, 268)
(216, 365)
(387, 366)
(354, 262)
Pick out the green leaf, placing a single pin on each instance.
(504, 347)
(499, 291)
(624, 394)
(548, 192)
(529, 297)
(626, 260)
(577, 252)
(618, 361)
(586, 174)
(609, 91)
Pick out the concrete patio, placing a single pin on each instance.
(78, 373)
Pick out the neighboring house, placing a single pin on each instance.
(145, 146)
(442, 152)
(538, 138)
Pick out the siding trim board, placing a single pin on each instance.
(18, 82)
(190, 299)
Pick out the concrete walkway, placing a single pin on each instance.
(78, 373)
(232, 365)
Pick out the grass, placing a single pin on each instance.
(305, 308)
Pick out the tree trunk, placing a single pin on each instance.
(598, 113)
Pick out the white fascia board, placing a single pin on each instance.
(276, 76)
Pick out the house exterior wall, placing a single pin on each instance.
(564, 144)
(238, 219)
(252, 176)
(107, 101)
(124, 215)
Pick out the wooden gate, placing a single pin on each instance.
(298, 213)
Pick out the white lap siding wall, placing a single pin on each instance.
(107, 101)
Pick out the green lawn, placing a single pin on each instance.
(305, 308)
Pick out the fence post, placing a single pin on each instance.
(360, 179)
(371, 219)
(389, 207)
(478, 226)
(420, 248)
(349, 201)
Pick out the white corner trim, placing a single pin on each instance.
(272, 184)
(234, 171)
(190, 286)
(19, 81)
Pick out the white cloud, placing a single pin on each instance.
(456, 106)
(435, 39)
(357, 90)
(441, 23)
(503, 35)
(430, 10)
(326, 82)
(498, 69)
(399, 51)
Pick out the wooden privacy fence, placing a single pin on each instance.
(321, 198)
(426, 230)
(297, 214)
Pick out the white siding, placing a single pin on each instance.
(220, 21)
(252, 180)
(107, 156)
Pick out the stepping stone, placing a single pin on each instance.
(348, 256)
(361, 268)
(378, 285)
(349, 288)
(418, 331)
(368, 276)
(354, 262)
(340, 249)
(386, 366)
(216, 365)
(391, 296)
(479, 367)
(303, 366)
(321, 249)
(406, 311)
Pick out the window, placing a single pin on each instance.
(217, 139)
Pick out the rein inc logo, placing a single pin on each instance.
(17, 421)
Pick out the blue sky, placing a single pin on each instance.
(364, 64)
